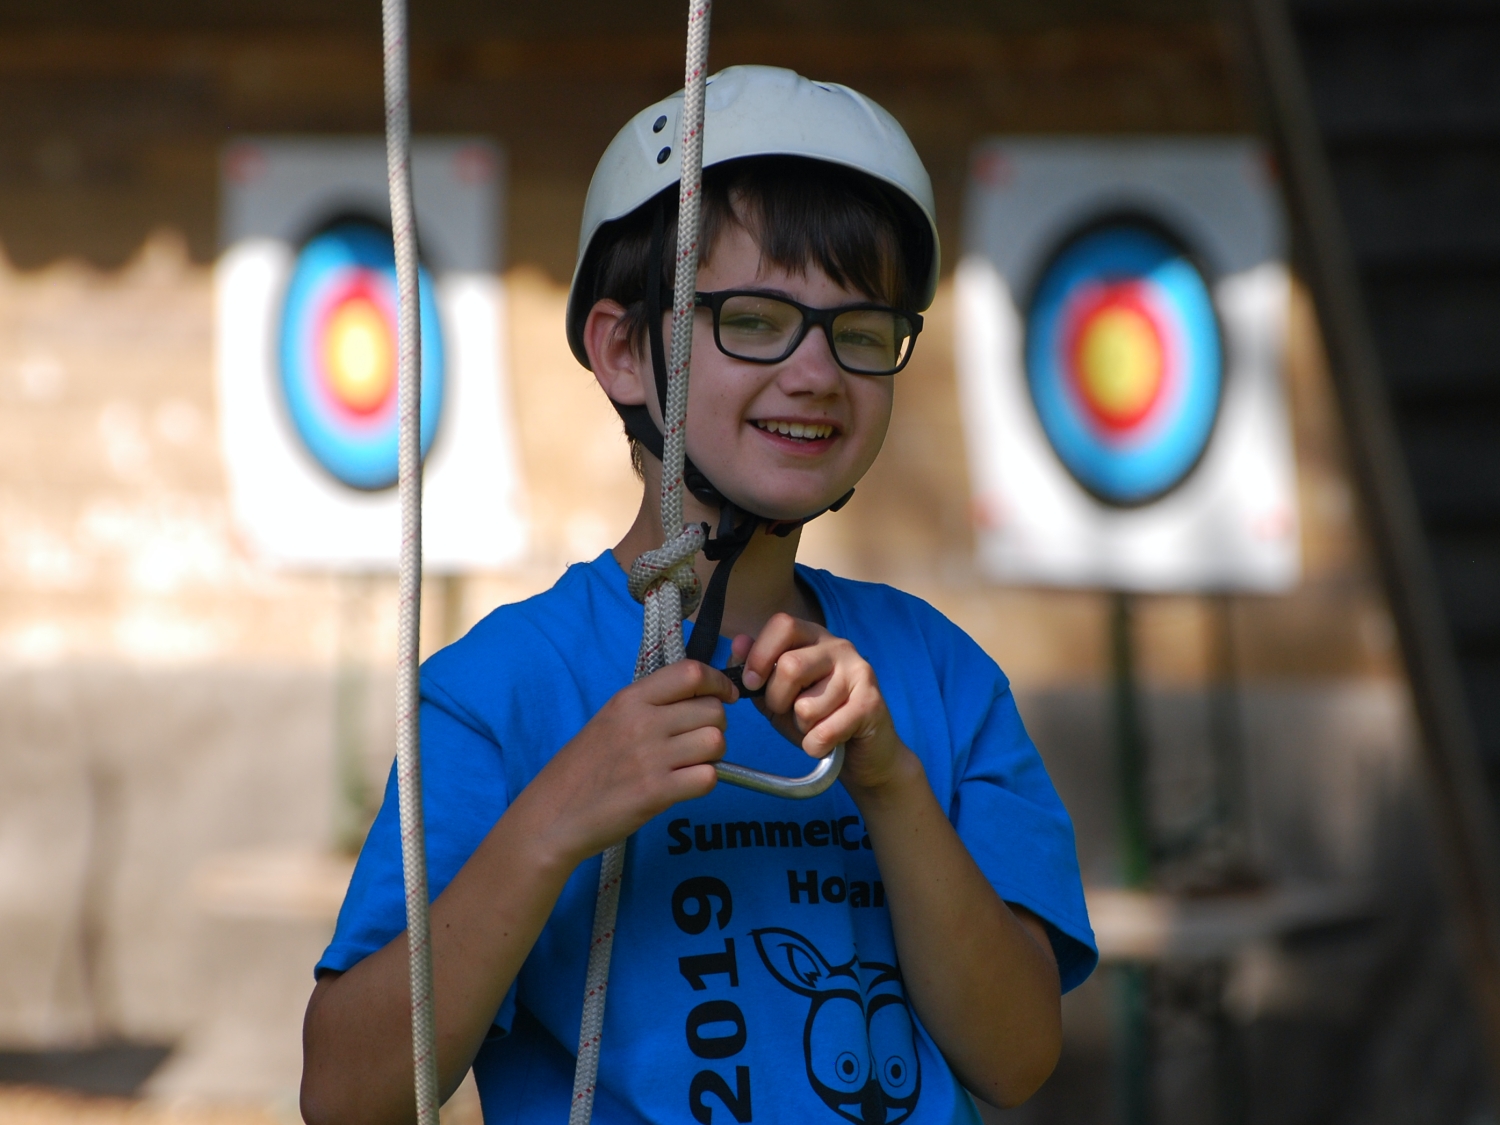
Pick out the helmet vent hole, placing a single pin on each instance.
(661, 123)
(661, 157)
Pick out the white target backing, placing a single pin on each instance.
(1121, 317)
(305, 355)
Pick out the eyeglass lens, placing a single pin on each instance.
(869, 341)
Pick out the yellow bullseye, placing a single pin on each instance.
(359, 355)
(1119, 363)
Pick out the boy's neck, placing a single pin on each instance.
(763, 582)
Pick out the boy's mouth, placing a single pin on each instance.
(798, 431)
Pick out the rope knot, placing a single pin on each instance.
(672, 562)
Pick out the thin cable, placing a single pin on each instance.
(662, 579)
(409, 580)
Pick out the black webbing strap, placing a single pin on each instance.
(654, 309)
(725, 548)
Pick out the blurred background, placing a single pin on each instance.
(1277, 753)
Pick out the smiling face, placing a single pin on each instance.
(783, 439)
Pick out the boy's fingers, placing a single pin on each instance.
(690, 782)
(705, 744)
(799, 671)
(739, 648)
(820, 700)
(839, 726)
(684, 680)
(820, 741)
(781, 634)
(853, 718)
(694, 713)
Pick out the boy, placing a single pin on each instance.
(863, 955)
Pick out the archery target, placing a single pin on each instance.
(337, 353)
(1120, 314)
(1124, 362)
(306, 363)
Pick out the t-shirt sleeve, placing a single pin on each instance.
(1003, 804)
(1014, 824)
(464, 793)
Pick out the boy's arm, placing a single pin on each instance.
(357, 1047)
(981, 975)
(650, 747)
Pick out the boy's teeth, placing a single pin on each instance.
(809, 431)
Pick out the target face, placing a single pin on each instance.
(1124, 361)
(338, 354)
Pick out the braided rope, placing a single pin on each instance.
(409, 580)
(669, 566)
(663, 579)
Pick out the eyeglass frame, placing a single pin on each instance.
(811, 317)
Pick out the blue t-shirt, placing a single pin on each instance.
(754, 973)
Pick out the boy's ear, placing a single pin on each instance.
(619, 369)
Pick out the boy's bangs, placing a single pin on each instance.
(800, 212)
(805, 213)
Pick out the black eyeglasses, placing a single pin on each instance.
(766, 328)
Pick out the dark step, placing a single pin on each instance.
(1437, 331)
(1311, 14)
(1468, 568)
(1454, 462)
(1405, 204)
(1482, 689)
(1426, 67)
(1434, 404)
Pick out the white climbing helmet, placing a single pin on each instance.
(749, 111)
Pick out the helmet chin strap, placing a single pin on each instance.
(737, 526)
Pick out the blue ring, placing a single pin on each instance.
(1145, 465)
(362, 457)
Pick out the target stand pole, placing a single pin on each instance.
(1236, 866)
(1133, 998)
(1130, 746)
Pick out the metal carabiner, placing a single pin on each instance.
(824, 774)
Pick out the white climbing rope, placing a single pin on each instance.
(409, 579)
(663, 579)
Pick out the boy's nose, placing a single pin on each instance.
(811, 369)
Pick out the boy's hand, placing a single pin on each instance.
(651, 746)
(820, 692)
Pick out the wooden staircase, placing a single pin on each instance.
(1386, 117)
